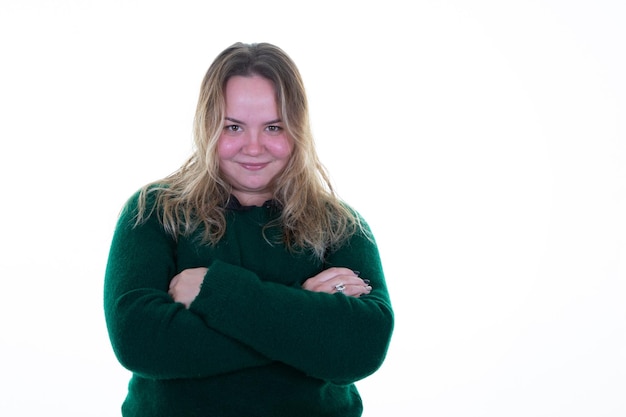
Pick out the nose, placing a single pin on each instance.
(252, 145)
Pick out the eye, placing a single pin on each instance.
(232, 128)
(274, 129)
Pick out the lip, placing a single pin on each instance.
(253, 166)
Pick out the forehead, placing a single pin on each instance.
(249, 83)
(250, 95)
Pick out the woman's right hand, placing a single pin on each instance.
(185, 286)
(338, 279)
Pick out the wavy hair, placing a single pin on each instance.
(312, 216)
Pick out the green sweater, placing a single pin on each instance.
(253, 342)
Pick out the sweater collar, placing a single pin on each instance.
(234, 204)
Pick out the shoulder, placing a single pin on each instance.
(143, 203)
(146, 195)
(352, 214)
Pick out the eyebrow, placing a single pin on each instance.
(239, 122)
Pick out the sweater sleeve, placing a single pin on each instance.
(152, 335)
(328, 336)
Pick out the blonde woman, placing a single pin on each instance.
(241, 285)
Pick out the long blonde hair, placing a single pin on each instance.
(312, 216)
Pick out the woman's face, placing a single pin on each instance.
(253, 147)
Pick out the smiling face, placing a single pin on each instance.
(253, 147)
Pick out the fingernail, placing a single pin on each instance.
(357, 273)
(366, 281)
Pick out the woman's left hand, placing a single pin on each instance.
(185, 287)
(343, 280)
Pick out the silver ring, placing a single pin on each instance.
(340, 287)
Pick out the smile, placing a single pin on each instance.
(253, 166)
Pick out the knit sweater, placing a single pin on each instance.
(253, 342)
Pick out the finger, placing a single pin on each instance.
(173, 281)
(350, 285)
(335, 272)
(340, 287)
(326, 280)
(354, 288)
(358, 290)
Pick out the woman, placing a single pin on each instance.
(240, 285)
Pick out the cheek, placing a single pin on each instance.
(226, 149)
(281, 148)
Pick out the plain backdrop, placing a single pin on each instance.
(484, 142)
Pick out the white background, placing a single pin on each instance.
(484, 141)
